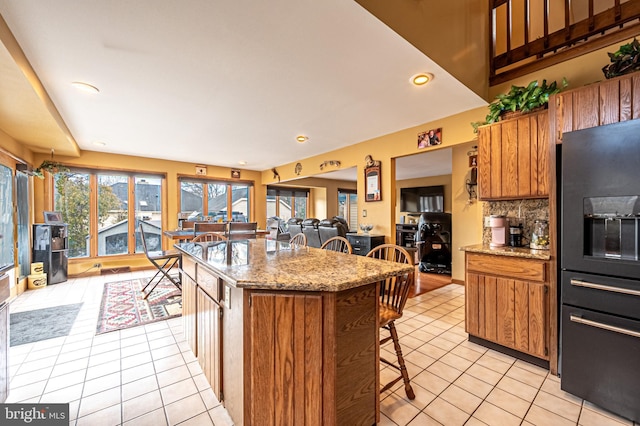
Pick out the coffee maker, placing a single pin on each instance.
(499, 230)
(515, 235)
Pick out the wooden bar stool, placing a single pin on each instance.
(393, 296)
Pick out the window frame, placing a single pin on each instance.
(285, 191)
(230, 183)
(93, 207)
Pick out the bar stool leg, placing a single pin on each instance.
(403, 369)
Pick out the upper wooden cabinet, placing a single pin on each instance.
(513, 158)
(598, 104)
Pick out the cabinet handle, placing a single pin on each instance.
(603, 287)
(620, 330)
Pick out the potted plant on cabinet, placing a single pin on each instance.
(520, 100)
(624, 61)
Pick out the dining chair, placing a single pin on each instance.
(211, 227)
(243, 230)
(187, 224)
(393, 296)
(299, 240)
(209, 237)
(340, 244)
(164, 261)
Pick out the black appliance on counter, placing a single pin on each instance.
(433, 241)
(600, 261)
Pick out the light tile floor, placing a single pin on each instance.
(148, 375)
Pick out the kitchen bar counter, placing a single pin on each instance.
(286, 334)
(276, 265)
(523, 252)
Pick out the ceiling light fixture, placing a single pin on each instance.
(302, 138)
(86, 87)
(100, 143)
(421, 79)
(242, 163)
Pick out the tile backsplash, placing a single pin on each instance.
(518, 211)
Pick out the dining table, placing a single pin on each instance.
(183, 235)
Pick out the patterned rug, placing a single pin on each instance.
(123, 305)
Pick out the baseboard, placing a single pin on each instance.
(456, 281)
(120, 270)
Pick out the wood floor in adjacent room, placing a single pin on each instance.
(426, 282)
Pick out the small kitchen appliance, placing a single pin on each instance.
(515, 235)
(499, 227)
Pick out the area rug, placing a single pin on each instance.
(123, 304)
(41, 324)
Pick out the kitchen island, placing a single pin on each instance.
(286, 334)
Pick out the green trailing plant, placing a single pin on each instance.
(49, 166)
(521, 98)
(625, 60)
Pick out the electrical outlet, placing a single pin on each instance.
(487, 221)
(97, 265)
(364, 213)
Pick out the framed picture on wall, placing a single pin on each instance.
(432, 137)
(53, 218)
(372, 182)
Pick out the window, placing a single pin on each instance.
(113, 223)
(24, 252)
(348, 206)
(286, 203)
(71, 198)
(219, 201)
(98, 204)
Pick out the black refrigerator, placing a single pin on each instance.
(600, 266)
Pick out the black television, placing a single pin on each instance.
(422, 199)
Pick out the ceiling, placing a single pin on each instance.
(214, 82)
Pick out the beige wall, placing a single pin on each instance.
(466, 217)
(385, 149)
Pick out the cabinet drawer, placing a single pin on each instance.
(189, 267)
(513, 267)
(209, 283)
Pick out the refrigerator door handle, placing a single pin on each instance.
(603, 287)
(620, 330)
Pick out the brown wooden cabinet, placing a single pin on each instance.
(209, 340)
(189, 295)
(507, 302)
(513, 158)
(202, 320)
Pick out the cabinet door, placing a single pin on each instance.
(209, 343)
(510, 312)
(513, 158)
(484, 163)
(189, 320)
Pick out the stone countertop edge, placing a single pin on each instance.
(522, 252)
(271, 277)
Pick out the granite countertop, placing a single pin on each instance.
(276, 265)
(523, 252)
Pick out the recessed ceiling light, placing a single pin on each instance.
(302, 138)
(421, 79)
(242, 163)
(85, 87)
(100, 143)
